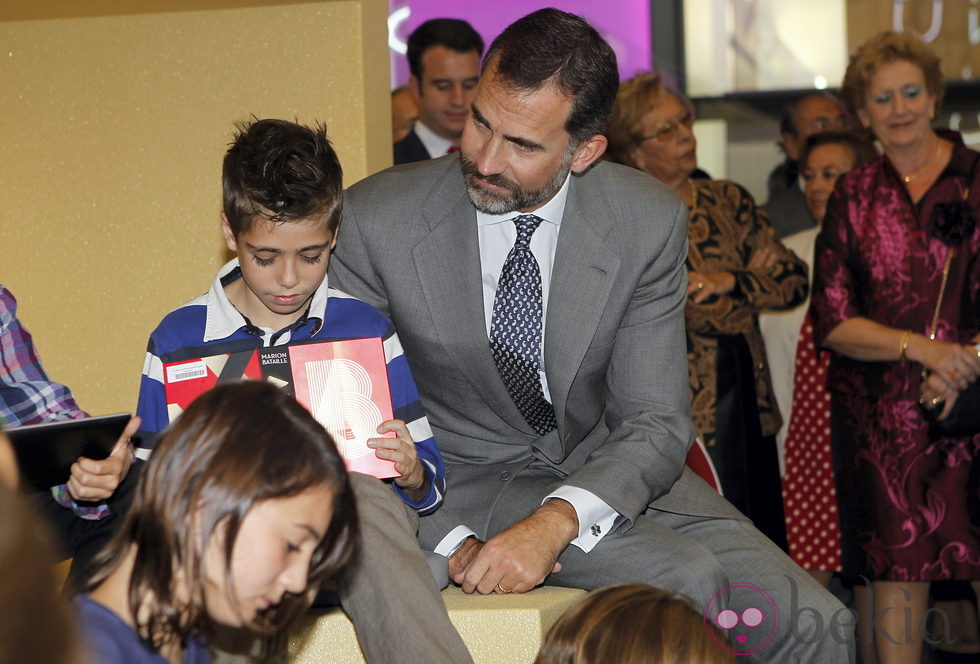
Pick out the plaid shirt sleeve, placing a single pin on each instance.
(28, 396)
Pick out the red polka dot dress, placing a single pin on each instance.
(809, 498)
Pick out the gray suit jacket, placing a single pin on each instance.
(614, 348)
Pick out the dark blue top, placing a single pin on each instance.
(112, 641)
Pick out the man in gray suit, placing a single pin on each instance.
(539, 296)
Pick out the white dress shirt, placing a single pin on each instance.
(435, 145)
(497, 234)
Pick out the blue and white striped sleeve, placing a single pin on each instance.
(407, 406)
(151, 405)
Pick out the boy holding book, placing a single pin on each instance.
(281, 211)
(282, 207)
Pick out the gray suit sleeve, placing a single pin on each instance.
(352, 271)
(647, 406)
(350, 266)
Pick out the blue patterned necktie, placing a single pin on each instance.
(515, 329)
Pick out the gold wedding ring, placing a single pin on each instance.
(700, 285)
(502, 591)
(935, 401)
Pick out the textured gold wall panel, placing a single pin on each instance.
(113, 126)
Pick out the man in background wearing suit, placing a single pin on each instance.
(444, 59)
(539, 296)
(813, 113)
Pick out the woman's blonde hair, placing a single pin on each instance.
(881, 49)
(633, 623)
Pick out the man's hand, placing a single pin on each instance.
(462, 558)
(520, 557)
(97, 480)
(401, 450)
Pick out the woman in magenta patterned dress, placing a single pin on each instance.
(880, 269)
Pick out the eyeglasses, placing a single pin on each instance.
(669, 131)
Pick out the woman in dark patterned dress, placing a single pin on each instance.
(736, 267)
(897, 300)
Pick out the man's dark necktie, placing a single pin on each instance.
(515, 329)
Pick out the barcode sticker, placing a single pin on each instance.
(186, 371)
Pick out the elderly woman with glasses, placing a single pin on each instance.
(736, 267)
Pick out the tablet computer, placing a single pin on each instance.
(45, 452)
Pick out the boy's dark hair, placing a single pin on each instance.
(452, 33)
(554, 47)
(281, 171)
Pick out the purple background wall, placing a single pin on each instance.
(625, 24)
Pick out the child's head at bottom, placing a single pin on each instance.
(242, 511)
(633, 623)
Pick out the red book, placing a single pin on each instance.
(344, 384)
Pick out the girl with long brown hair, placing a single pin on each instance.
(242, 511)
